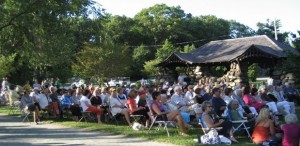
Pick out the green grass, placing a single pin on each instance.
(160, 136)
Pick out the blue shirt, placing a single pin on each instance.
(66, 100)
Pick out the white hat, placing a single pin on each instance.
(35, 88)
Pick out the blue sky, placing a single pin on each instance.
(247, 12)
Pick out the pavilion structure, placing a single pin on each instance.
(236, 55)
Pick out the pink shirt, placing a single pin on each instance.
(291, 134)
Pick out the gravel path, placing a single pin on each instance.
(15, 133)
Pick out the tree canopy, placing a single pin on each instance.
(59, 38)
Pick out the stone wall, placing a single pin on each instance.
(233, 77)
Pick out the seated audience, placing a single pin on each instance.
(87, 106)
(250, 100)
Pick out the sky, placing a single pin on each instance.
(247, 12)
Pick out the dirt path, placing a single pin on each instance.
(15, 133)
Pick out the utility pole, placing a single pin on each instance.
(275, 29)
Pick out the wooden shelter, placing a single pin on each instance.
(235, 54)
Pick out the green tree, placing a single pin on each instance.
(253, 72)
(268, 28)
(102, 62)
(6, 65)
(238, 30)
(165, 51)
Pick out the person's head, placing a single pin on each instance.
(207, 89)
(264, 113)
(96, 92)
(36, 90)
(142, 94)
(233, 104)
(228, 91)
(270, 88)
(290, 119)
(113, 92)
(178, 90)
(238, 93)
(287, 84)
(246, 90)
(156, 96)
(120, 90)
(254, 91)
(198, 91)
(163, 98)
(216, 92)
(191, 88)
(132, 94)
(53, 89)
(78, 91)
(85, 92)
(207, 107)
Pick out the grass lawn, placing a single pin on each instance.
(160, 136)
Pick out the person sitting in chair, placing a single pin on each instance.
(157, 109)
(208, 120)
(27, 105)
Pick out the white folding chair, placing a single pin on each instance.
(239, 125)
(14, 108)
(161, 124)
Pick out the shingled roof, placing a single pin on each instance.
(230, 49)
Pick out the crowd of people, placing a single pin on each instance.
(178, 101)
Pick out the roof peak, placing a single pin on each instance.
(235, 39)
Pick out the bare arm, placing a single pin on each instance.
(210, 123)
(156, 110)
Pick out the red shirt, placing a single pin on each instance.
(131, 102)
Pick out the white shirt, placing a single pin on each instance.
(82, 103)
(34, 96)
(227, 99)
(43, 101)
(190, 96)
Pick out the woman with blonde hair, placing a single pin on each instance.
(264, 128)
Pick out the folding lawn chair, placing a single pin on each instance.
(87, 116)
(14, 108)
(158, 120)
(239, 125)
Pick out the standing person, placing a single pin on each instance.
(291, 131)
(57, 83)
(55, 101)
(4, 84)
(87, 106)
